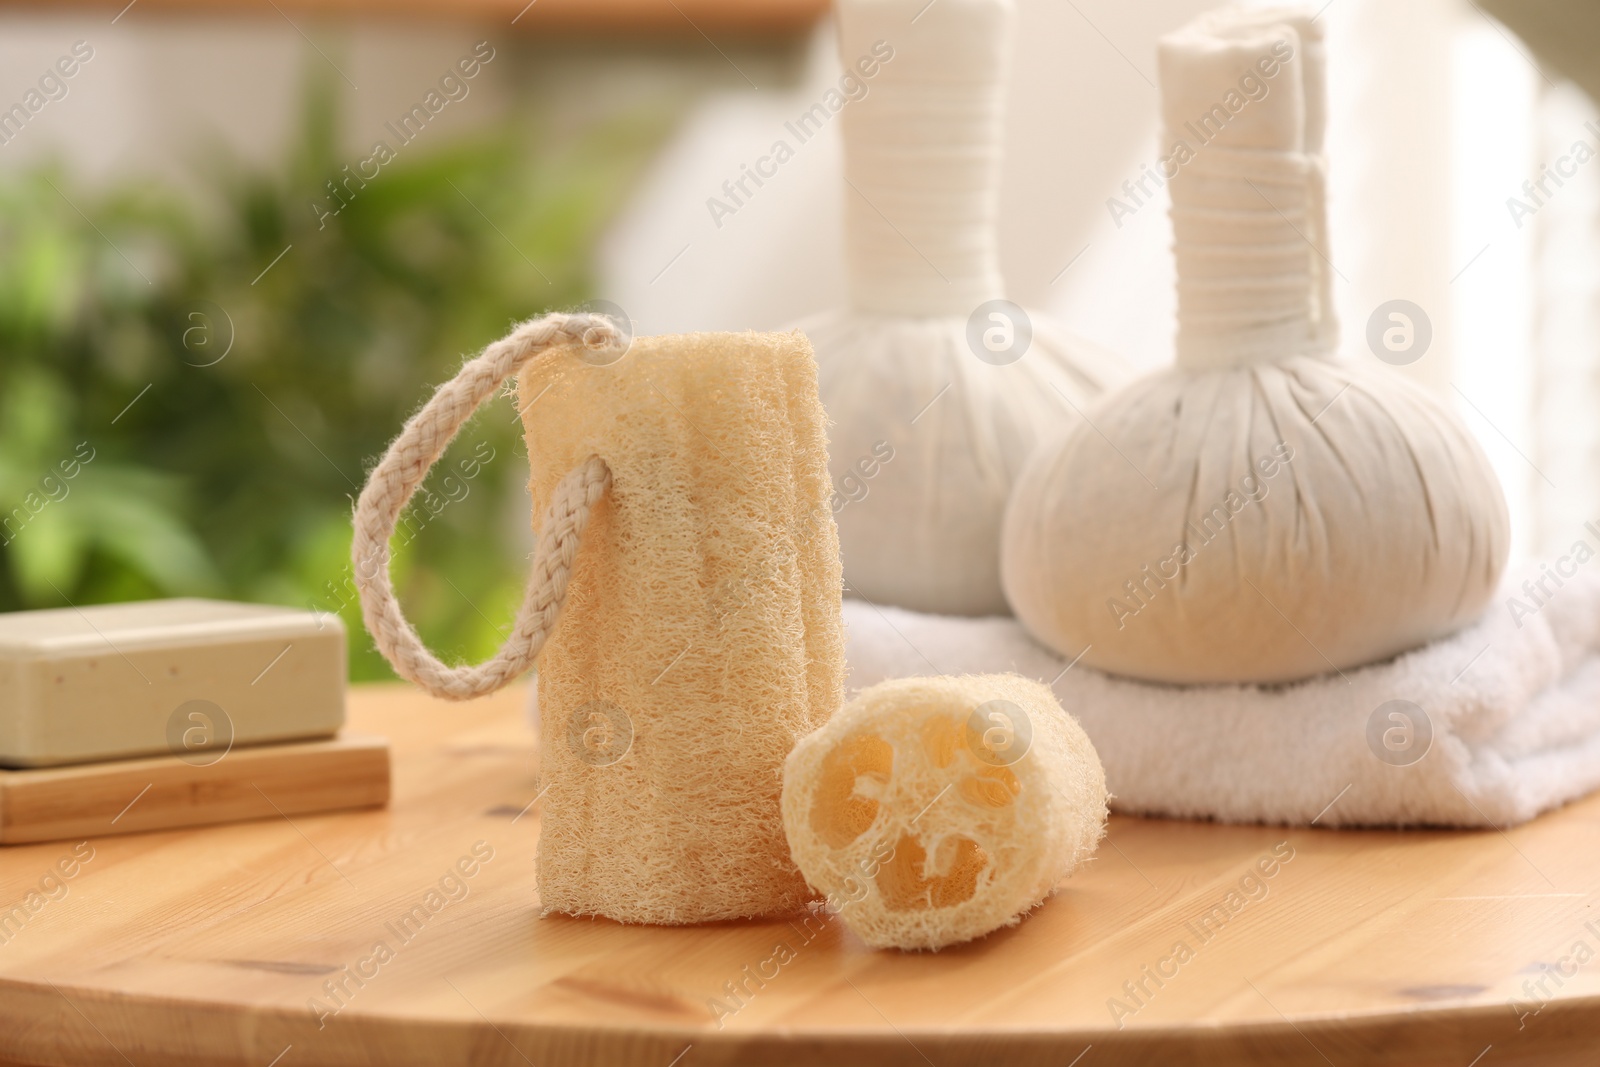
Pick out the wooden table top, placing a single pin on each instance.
(221, 945)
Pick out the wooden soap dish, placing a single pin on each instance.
(166, 792)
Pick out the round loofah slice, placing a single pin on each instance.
(930, 811)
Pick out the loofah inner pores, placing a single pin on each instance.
(701, 633)
(931, 811)
(1262, 511)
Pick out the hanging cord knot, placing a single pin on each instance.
(401, 471)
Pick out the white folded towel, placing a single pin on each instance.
(1505, 717)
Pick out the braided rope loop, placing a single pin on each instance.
(407, 462)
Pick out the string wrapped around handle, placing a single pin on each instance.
(1290, 513)
(922, 154)
(1244, 111)
(937, 387)
(404, 466)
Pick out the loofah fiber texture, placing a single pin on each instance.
(700, 638)
(932, 811)
(1261, 512)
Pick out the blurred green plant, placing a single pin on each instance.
(231, 400)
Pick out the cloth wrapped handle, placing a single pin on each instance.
(922, 148)
(404, 466)
(1249, 203)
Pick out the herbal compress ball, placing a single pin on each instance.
(936, 388)
(931, 811)
(1260, 512)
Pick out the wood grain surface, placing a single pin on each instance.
(412, 935)
(135, 795)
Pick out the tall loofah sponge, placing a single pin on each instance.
(701, 636)
(931, 811)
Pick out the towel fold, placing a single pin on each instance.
(1488, 727)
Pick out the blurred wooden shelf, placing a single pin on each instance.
(256, 943)
(692, 17)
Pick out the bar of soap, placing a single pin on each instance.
(192, 678)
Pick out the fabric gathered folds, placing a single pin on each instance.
(1263, 579)
(1267, 509)
(929, 428)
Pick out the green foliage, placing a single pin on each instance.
(259, 400)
